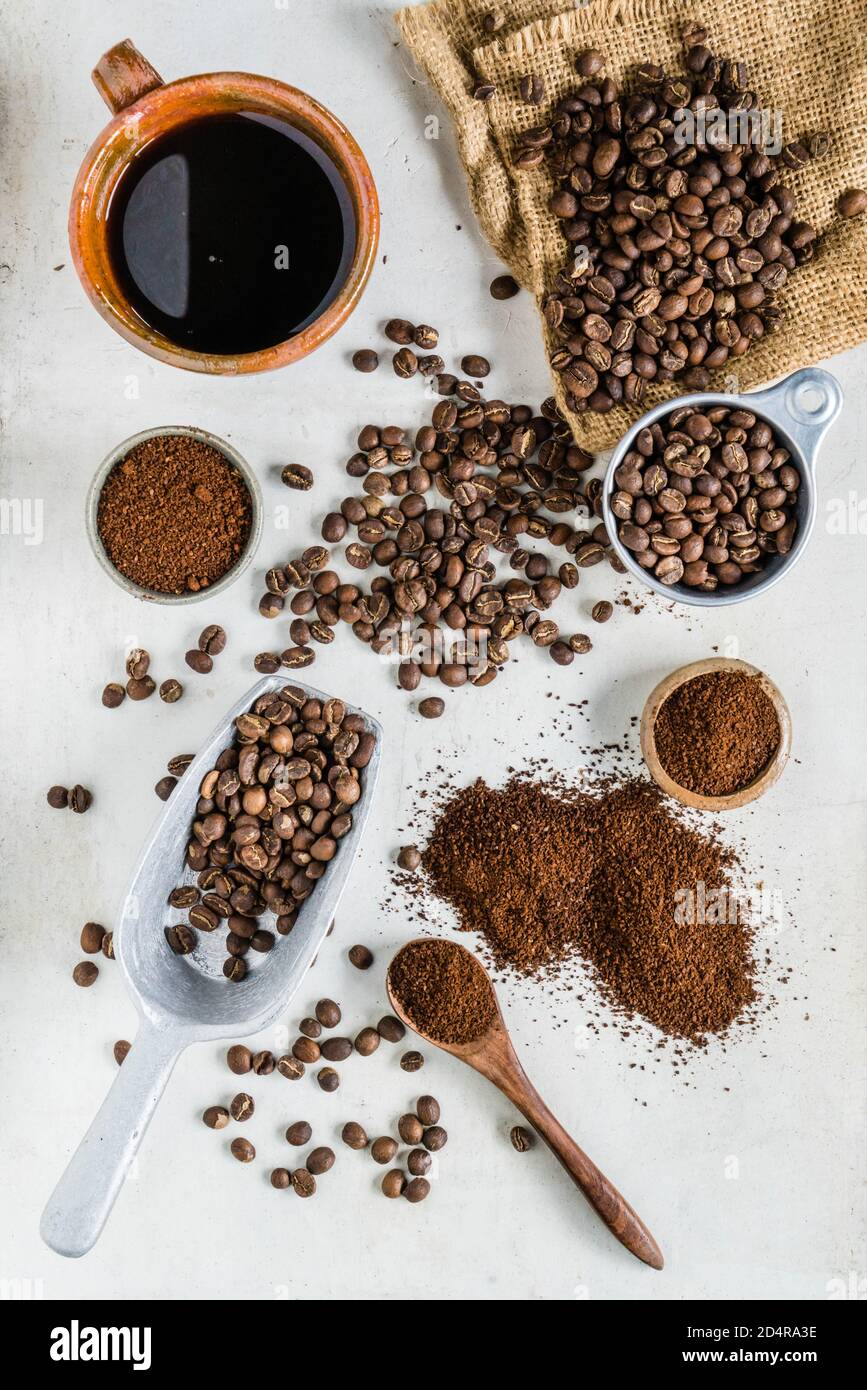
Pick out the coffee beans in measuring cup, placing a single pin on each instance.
(270, 817)
(706, 496)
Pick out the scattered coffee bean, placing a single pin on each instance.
(602, 611)
(120, 1050)
(410, 1129)
(296, 476)
(212, 639)
(181, 939)
(264, 1063)
(80, 799)
(521, 1138)
(504, 287)
(391, 1029)
(239, 1059)
(580, 643)
(299, 1133)
(290, 1067)
(266, 663)
(400, 331)
(234, 969)
(140, 689)
(365, 360)
(561, 652)
(58, 798)
(85, 973)
(199, 662)
(367, 1042)
(216, 1117)
(393, 1183)
(241, 1106)
(310, 1027)
(328, 1079)
(92, 935)
(165, 786)
(409, 858)
(178, 765)
(428, 1110)
(431, 707)
(383, 1149)
(852, 203)
(171, 691)
(475, 366)
(336, 1049)
(328, 1013)
(108, 945)
(416, 1189)
(303, 1182)
(419, 1162)
(435, 1138)
(361, 957)
(113, 695)
(405, 363)
(354, 1135)
(412, 1061)
(306, 1050)
(484, 91)
(243, 1150)
(320, 1161)
(532, 89)
(280, 1178)
(138, 663)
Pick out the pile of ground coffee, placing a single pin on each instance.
(716, 733)
(443, 990)
(174, 515)
(612, 877)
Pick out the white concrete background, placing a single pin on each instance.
(782, 1106)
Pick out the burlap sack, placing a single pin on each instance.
(807, 59)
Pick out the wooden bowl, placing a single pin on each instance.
(759, 785)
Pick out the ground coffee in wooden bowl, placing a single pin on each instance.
(716, 733)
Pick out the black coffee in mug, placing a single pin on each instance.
(231, 234)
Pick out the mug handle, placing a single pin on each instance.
(123, 75)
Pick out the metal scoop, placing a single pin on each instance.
(186, 999)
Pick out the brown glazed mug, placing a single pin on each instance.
(145, 108)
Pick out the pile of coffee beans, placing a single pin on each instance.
(501, 473)
(140, 684)
(76, 798)
(679, 246)
(212, 641)
(270, 817)
(704, 497)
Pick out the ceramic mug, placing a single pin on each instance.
(146, 108)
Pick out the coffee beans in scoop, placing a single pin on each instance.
(706, 497)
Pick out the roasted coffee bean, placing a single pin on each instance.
(92, 937)
(181, 939)
(383, 1149)
(410, 1129)
(425, 337)
(121, 1050)
(306, 1050)
(354, 1136)
(419, 1162)
(391, 1029)
(310, 1027)
(393, 1183)
(263, 1063)
(266, 663)
(328, 1079)
(336, 1049)
(428, 1110)
(434, 1138)
(409, 858)
(532, 90)
(178, 765)
(361, 957)
(290, 1067)
(234, 969)
(416, 1190)
(198, 661)
(475, 366)
(299, 1133)
(241, 1106)
(165, 786)
(367, 1042)
(484, 91)
(80, 799)
(280, 1178)
(431, 707)
(140, 688)
(521, 1138)
(113, 695)
(58, 798)
(561, 652)
(852, 203)
(365, 360)
(137, 663)
(243, 1150)
(296, 476)
(320, 1161)
(216, 1117)
(405, 363)
(107, 947)
(328, 1013)
(303, 1183)
(412, 1061)
(504, 287)
(602, 611)
(171, 691)
(85, 973)
(400, 331)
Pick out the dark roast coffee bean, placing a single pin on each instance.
(354, 1136)
(320, 1161)
(431, 707)
(239, 1059)
(85, 973)
(266, 663)
(383, 1149)
(521, 1138)
(428, 1110)
(310, 1027)
(306, 1050)
(303, 1183)
(243, 1150)
(198, 661)
(165, 786)
(299, 1133)
(365, 360)
(434, 1138)
(171, 691)
(140, 688)
(361, 957)
(241, 1106)
(336, 1049)
(290, 1067)
(280, 1178)
(391, 1029)
(181, 939)
(410, 1129)
(416, 1190)
(296, 476)
(328, 1079)
(419, 1162)
(58, 798)
(504, 287)
(328, 1013)
(80, 799)
(400, 331)
(409, 858)
(475, 366)
(263, 1063)
(367, 1042)
(216, 1117)
(113, 695)
(92, 937)
(602, 611)
(852, 203)
(393, 1183)
(412, 1061)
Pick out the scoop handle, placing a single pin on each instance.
(81, 1203)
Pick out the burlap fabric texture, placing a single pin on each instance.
(807, 60)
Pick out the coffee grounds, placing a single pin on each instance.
(548, 876)
(174, 515)
(443, 990)
(716, 733)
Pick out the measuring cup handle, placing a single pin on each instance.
(805, 404)
(81, 1202)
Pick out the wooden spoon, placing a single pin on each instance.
(493, 1055)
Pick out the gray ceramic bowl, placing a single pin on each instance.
(233, 457)
(801, 408)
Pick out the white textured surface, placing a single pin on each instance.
(782, 1107)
